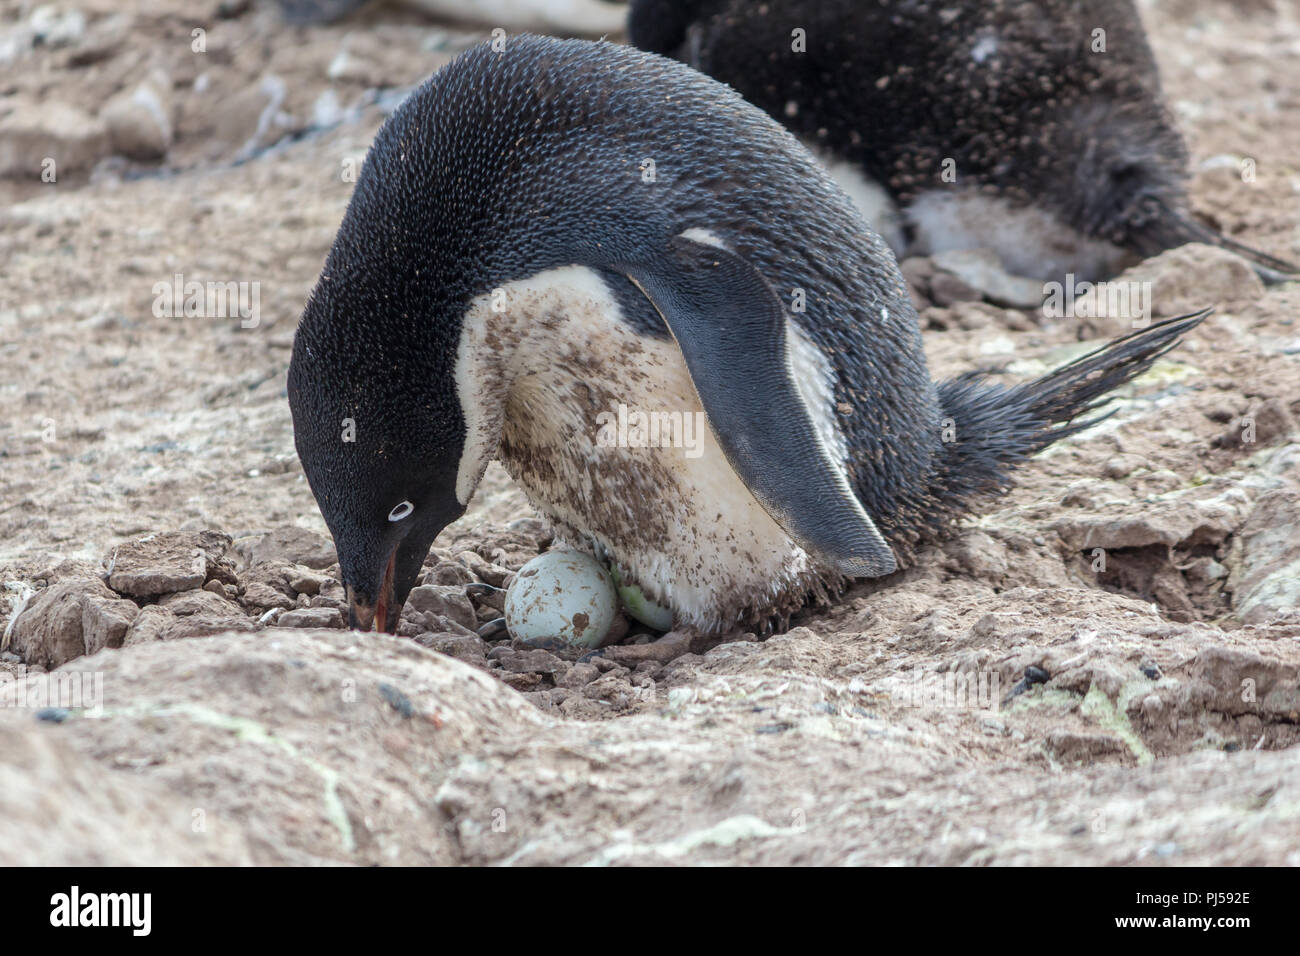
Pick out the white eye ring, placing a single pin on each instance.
(401, 511)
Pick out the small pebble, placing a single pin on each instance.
(399, 701)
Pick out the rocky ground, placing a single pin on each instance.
(1104, 668)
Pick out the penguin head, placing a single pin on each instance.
(379, 431)
(1121, 160)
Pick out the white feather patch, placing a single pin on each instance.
(1030, 241)
(534, 374)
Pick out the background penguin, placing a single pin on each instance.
(581, 17)
(541, 234)
(1065, 157)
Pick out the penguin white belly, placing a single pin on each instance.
(656, 492)
(1030, 241)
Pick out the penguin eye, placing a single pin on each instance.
(401, 511)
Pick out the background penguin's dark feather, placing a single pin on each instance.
(892, 85)
(659, 26)
(897, 88)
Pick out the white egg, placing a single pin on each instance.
(639, 606)
(564, 595)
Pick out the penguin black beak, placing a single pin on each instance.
(1168, 228)
(362, 616)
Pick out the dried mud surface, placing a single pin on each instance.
(1102, 668)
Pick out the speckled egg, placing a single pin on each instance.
(561, 595)
(635, 602)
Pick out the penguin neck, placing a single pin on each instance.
(508, 346)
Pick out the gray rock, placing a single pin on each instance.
(1121, 466)
(579, 675)
(1265, 561)
(306, 582)
(918, 270)
(52, 629)
(1196, 515)
(947, 289)
(190, 603)
(311, 617)
(1238, 681)
(260, 595)
(450, 573)
(1177, 281)
(54, 26)
(1263, 424)
(469, 648)
(981, 271)
(529, 662)
(31, 133)
(15, 43)
(247, 121)
(159, 623)
(442, 601)
(1073, 747)
(484, 569)
(104, 623)
(979, 555)
(149, 625)
(166, 563)
(291, 545)
(139, 120)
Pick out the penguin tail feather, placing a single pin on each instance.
(996, 426)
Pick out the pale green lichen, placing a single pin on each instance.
(1097, 707)
(723, 834)
(1042, 697)
(1114, 718)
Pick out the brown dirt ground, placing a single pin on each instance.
(1162, 725)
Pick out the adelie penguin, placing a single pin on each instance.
(1035, 128)
(541, 235)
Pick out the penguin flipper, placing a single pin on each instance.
(731, 328)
